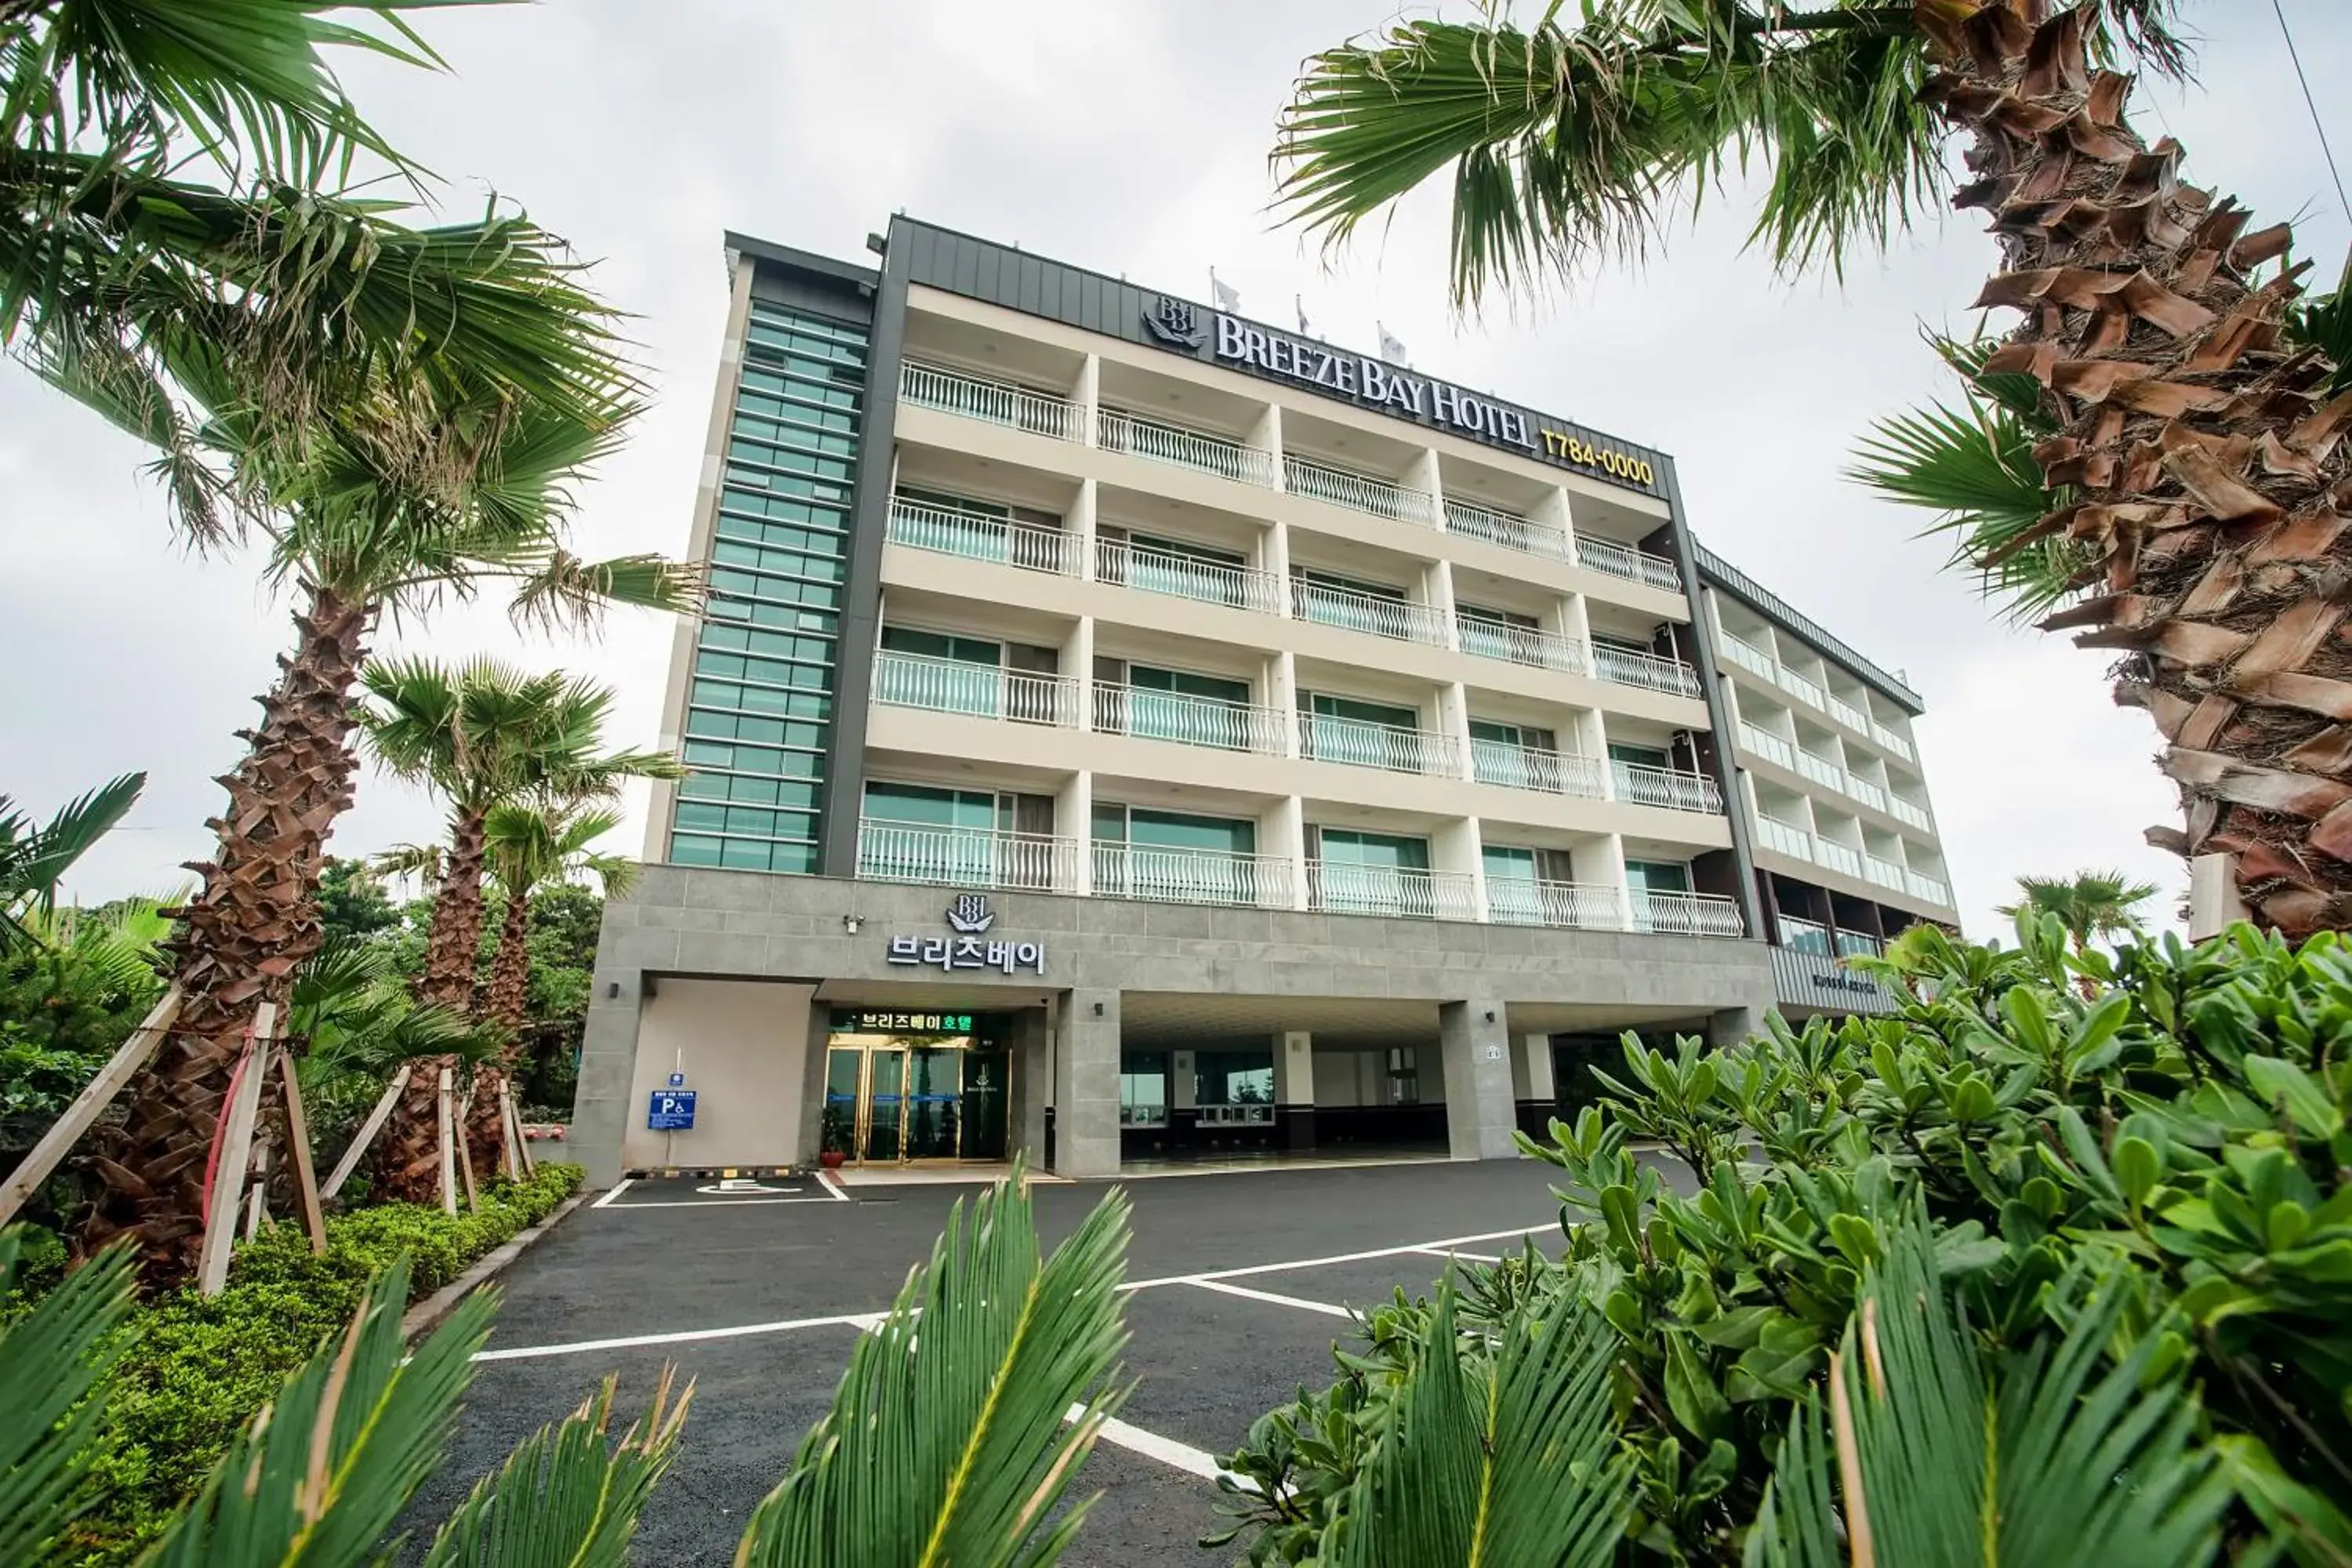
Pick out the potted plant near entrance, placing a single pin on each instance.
(837, 1130)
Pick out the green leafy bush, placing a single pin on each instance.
(200, 1367)
(2170, 1147)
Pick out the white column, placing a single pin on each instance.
(1453, 718)
(1184, 1081)
(1081, 526)
(1475, 1043)
(1456, 847)
(1074, 817)
(1265, 435)
(1076, 659)
(1531, 1067)
(1274, 560)
(1088, 398)
(1552, 511)
(1282, 692)
(1576, 623)
(1423, 475)
(1600, 862)
(1437, 586)
(1294, 1068)
(1283, 832)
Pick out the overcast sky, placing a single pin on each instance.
(1128, 137)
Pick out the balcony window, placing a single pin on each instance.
(979, 529)
(1657, 877)
(1176, 705)
(1534, 887)
(1148, 437)
(1805, 936)
(958, 837)
(1176, 567)
(1331, 600)
(1364, 734)
(941, 671)
(1859, 945)
(1372, 873)
(1639, 756)
(1171, 856)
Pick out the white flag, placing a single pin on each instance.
(1392, 351)
(1299, 302)
(1229, 301)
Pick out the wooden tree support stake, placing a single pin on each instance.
(366, 1134)
(67, 1131)
(257, 1201)
(465, 1150)
(298, 1145)
(518, 1146)
(441, 1103)
(235, 1152)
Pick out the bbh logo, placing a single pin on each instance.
(1175, 321)
(971, 914)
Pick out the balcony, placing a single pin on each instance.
(965, 857)
(1509, 530)
(1748, 655)
(1686, 914)
(1357, 492)
(1821, 769)
(977, 536)
(1561, 906)
(1904, 810)
(1196, 450)
(1399, 619)
(1802, 688)
(1805, 936)
(1322, 737)
(1623, 667)
(1863, 790)
(1929, 890)
(1890, 739)
(1633, 565)
(1184, 577)
(1882, 873)
(1395, 892)
(1120, 710)
(1837, 857)
(982, 691)
(1663, 786)
(1552, 773)
(1784, 838)
(1519, 644)
(1192, 877)
(1768, 746)
(1847, 714)
(999, 402)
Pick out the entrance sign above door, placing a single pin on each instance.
(881, 1021)
(969, 919)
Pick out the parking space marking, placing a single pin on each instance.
(1167, 1450)
(1242, 1273)
(860, 1320)
(824, 1179)
(1243, 1292)
(618, 1188)
(715, 1201)
(1456, 1252)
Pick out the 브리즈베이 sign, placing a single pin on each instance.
(969, 918)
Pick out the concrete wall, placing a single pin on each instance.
(742, 1045)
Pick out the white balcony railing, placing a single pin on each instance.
(1890, 739)
(1507, 529)
(1520, 767)
(1929, 889)
(1768, 746)
(1184, 577)
(1802, 688)
(1399, 618)
(1219, 455)
(965, 857)
(1882, 872)
(1836, 856)
(1193, 875)
(1566, 906)
(982, 691)
(1519, 644)
(1624, 561)
(1688, 914)
(979, 537)
(1821, 769)
(1847, 714)
(1359, 744)
(1863, 790)
(1904, 810)
(1357, 492)
(1783, 837)
(1188, 720)
(1747, 656)
(1390, 891)
(999, 402)
(1664, 787)
(1625, 668)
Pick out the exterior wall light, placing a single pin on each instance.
(849, 924)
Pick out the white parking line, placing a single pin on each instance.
(860, 1320)
(824, 1179)
(1447, 1245)
(1167, 1450)
(713, 1202)
(618, 1188)
(1247, 1294)
(1456, 1252)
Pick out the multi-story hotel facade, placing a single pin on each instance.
(1120, 730)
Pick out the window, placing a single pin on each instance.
(1404, 1075)
(1168, 854)
(1234, 1078)
(1639, 756)
(1143, 1088)
(1657, 877)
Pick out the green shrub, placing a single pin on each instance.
(200, 1367)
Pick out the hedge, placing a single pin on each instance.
(202, 1366)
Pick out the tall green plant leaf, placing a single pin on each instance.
(51, 1360)
(1506, 1460)
(965, 1414)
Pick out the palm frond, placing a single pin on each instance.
(965, 1414)
(566, 1496)
(34, 859)
(1508, 1460)
(51, 1358)
(2326, 324)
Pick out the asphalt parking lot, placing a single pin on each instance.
(1241, 1283)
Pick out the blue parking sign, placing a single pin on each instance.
(672, 1110)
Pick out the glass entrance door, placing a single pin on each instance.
(891, 1100)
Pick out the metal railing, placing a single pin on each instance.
(1624, 561)
(1821, 769)
(1402, 619)
(1184, 577)
(999, 402)
(1191, 875)
(979, 537)
(1390, 891)
(1520, 767)
(1219, 455)
(1930, 888)
(1847, 714)
(1783, 837)
(1664, 787)
(983, 690)
(1122, 709)
(1565, 906)
(1890, 739)
(1837, 857)
(1904, 810)
(1688, 914)
(1768, 746)
(1883, 872)
(1519, 644)
(1625, 668)
(1739, 650)
(1357, 492)
(1324, 739)
(1509, 530)
(965, 857)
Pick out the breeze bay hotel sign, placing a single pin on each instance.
(961, 946)
(1367, 381)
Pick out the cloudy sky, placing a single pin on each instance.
(1128, 137)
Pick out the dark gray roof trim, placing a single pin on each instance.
(1717, 573)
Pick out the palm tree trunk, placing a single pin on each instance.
(2201, 456)
(509, 996)
(238, 941)
(408, 1155)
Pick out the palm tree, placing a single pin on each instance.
(33, 858)
(2088, 903)
(2199, 452)
(481, 735)
(393, 502)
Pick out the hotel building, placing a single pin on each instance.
(1120, 731)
